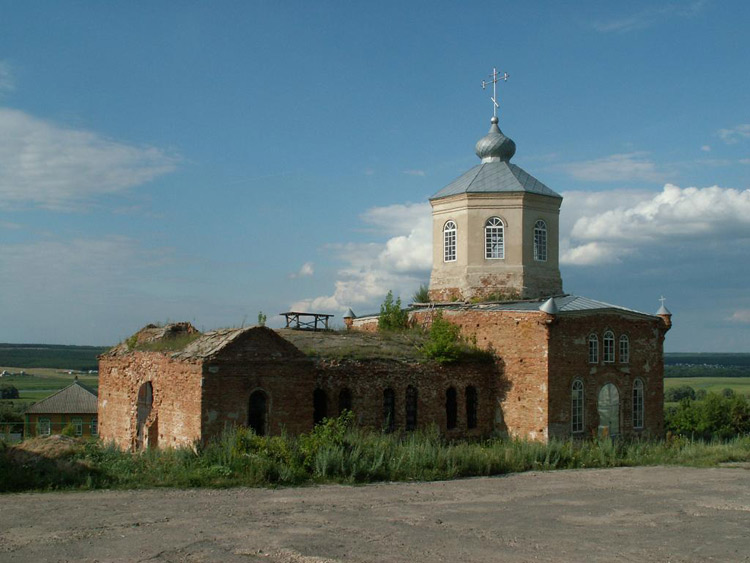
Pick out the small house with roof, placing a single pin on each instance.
(75, 405)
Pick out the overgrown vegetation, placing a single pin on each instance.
(170, 344)
(8, 391)
(445, 344)
(392, 316)
(335, 451)
(496, 296)
(421, 295)
(719, 416)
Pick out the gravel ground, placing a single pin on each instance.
(628, 514)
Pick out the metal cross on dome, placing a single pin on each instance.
(495, 78)
(662, 299)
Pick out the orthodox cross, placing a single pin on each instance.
(662, 299)
(495, 78)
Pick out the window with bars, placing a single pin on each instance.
(449, 242)
(576, 407)
(638, 404)
(494, 239)
(609, 347)
(593, 349)
(540, 241)
(624, 349)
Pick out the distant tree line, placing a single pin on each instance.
(80, 358)
(716, 416)
(684, 370)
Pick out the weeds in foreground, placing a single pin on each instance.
(334, 452)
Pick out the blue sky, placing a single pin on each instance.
(186, 161)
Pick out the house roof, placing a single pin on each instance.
(76, 398)
(497, 176)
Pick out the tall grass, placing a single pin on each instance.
(337, 452)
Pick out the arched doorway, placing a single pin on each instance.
(146, 436)
(451, 408)
(257, 414)
(320, 406)
(609, 410)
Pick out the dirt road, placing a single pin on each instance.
(631, 514)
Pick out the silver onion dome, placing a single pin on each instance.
(494, 145)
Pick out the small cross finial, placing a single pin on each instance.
(495, 78)
(662, 299)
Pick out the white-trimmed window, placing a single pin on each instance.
(540, 241)
(94, 427)
(77, 426)
(638, 404)
(609, 347)
(593, 349)
(624, 349)
(45, 427)
(576, 406)
(449, 242)
(494, 239)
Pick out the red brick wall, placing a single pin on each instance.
(569, 348)
(176, 398)
(368, 379)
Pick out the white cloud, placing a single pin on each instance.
(648, 17)
(414, 172)
(741, 316)
(58, 167)
(735, 134)
(598, 226)
(401, 263)
(306, 270)
(7, 82)
(616, 168)
(706, 148)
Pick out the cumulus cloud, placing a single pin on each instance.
(706, 148)
(400, 263)
(306, 270)
(634, 166)
(734, 134)
(602, 227)
(414, 172)
(57, 167)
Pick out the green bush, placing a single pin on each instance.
(392, 316)
(8, 392)
(716, 416)
(422, 295)
(444, 343)
(676, 394)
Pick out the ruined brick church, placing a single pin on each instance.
(564, 365)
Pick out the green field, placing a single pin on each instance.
(741, 385)
(39, 383)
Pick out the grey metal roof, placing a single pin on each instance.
(550, 307)
(74, 399)
(663, 310)
(496, 176)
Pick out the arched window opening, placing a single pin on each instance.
(494, 239)
(624, 349)
(472, 403)
(609, 410)
(540, 241)
(449, 242)
(576, 407)
(144, 405)
(451, 408)
(411, 408)
(320, 406)
(389, 410)
(609, 347)
(257, 413)
(638, 404)
(345, 400)
(593, 349)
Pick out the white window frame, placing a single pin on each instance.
(494, 239)
(608, 348)
(593, 349)
(450, 236)
(44, 427)
(638, 404)
(624, 349)
(576, 406)
(540, 241)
